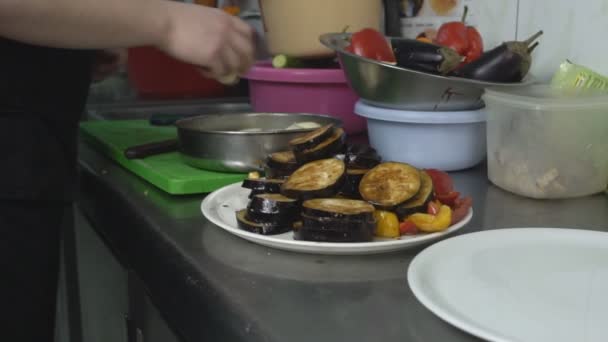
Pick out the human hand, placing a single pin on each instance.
(221, 44)
(107, 62)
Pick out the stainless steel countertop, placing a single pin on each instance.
(211, 285)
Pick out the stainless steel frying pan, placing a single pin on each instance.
(231, 142)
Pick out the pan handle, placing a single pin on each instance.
(150, 149)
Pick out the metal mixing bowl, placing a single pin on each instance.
(221, 142)
(385, 85)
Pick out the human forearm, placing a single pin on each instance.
(198, 35)
(86, 23)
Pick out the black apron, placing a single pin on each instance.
(42, 97)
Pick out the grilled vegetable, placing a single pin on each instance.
(417, 55)
(312, 139)
(387, 224)
(442, 183)
(408, 227)
(461, 209)
(279, 219)
(326, 149)
(332, 229)
(338, 209)
(358, 156)
(272, 203)
(390, 184)
(280, 165)
(508, 62)
(419, 202)
(361, 234)
(259, 228)
(272, 208)
(333, 224)
(262, 185)
(321, 178)
(448, 199)
(433, 223)
(350, 188)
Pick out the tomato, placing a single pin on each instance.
(408, 227)
(449, 198)
(475, 45)
(461, 209)
(371, 44)
(442, 183)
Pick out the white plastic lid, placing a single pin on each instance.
(542, 96)
(398, 115)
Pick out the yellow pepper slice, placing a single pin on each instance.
(433, 223)
(387, 224)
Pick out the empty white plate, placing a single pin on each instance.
(524, 284)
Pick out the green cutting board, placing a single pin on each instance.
(166, 171)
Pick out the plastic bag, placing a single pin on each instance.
(574, 76)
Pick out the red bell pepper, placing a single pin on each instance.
(464, 39)
(433, 208)
(442, 183)
(408, 227)
(461, 209)
(449, 198)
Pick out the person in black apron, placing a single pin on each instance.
(45, 71)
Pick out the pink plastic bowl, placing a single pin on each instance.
(318, 91)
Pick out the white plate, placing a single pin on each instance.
(524, 284)
(220, 207)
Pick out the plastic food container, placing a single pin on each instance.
(293, 27)
(447, 141)
(317, 91)
(544, 143)
(156, 75)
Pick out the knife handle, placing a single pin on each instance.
(151, 149)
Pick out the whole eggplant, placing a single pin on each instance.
(417, 55)
(508, 62)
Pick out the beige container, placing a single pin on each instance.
(293, 27)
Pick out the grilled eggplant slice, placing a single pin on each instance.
(260, 228)
(273, 208)
(338, 208)
(312, 139)
(320, 178)
(279, 219)
(272, 203)
(350, 189)
(360, 156)
(333, 229)
(390, 184)
(280, 165)
(362, 235)
(420, 201)
(326, 149)
(262, 185)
